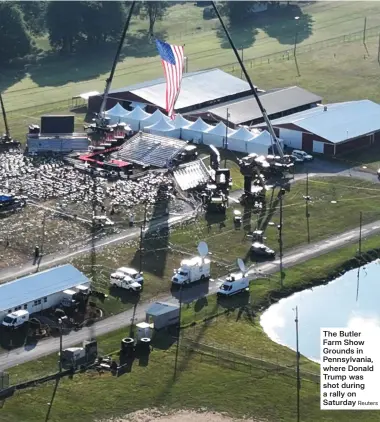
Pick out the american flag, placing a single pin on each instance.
(172, 58)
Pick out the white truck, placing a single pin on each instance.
(127, 278)
(233, 284)
(192, 270)
(16, 319)
(72, 297)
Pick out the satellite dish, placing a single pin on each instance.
(202, 249)
(241, 265)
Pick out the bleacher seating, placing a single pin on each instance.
(191, 175)
(148, 149)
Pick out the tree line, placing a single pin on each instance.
(68, 24)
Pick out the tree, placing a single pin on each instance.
(154, 10)
(15, 40)
(34, 13)
(63, 22)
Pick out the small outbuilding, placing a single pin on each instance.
(162, 315)
(332, 128)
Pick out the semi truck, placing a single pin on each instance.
(192, 270)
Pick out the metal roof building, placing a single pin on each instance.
(39, 285)
(278, 103)
(331, 128)
(198, 89)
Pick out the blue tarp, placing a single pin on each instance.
(5, 198)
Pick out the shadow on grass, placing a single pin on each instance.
(277, 22)
(280, 23)
(86, 64)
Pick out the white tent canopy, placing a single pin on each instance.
(260, 144)
(135, 117)
(238, 141)
(180, 122)
(195, 131)
(153, 119)
(216, 136)
(117, 114)
(163, 128)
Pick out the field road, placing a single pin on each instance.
(296, 256)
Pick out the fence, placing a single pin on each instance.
(305, 48)
(242, 361)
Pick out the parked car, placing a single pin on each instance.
(262, 250)
(302, 155)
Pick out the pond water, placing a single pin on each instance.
(350, 301)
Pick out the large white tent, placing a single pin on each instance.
(117, 114)
(217, 135)
(237, 141)
(135, 118)
(153, 119)
(163, 128)
(195, 131)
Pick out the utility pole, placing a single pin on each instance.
(141, 247)
(365, 29)
(378, 51)
(280, 238)
(43, 232)
(298, 368)
(360, 233)
(307, 199)
(242, 59)
(60, 344)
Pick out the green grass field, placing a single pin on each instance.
(223, 376)
(163, 251)
(55, 80)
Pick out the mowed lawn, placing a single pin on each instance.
(57, 79)
(236, 346)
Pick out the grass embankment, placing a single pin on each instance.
(221, 381)
(164, 251)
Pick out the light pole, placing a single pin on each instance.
(60, 344)
(296, 35)
(226, 142)
(298, 367)
(295, 45)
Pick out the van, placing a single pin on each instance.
(16, 319)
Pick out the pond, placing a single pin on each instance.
(350, 301)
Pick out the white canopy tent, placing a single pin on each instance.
(135, 117)
(180, 123)
(163, 128)
(237, 141)
(195, 131)
(135, 104)
(117, 114)
(216, 136)
(153, 119)
(261, 143)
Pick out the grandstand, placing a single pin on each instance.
(191, 175)
(145, 149)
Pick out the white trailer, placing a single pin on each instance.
(192, 270)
